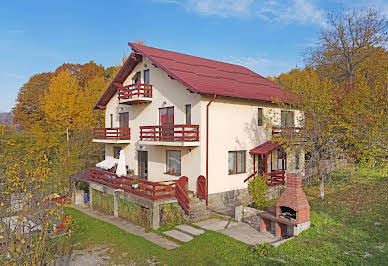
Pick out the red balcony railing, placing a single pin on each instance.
(272, 178)
(120, 133)
(144, 188)
(287, 130)
(134, 91)
(170, 133)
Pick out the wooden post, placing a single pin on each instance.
(254, 163)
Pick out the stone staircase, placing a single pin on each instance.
(184, 233)
(198, 210)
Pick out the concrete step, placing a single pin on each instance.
(178, 235)
(184, 228)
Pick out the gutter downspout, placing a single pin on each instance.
(207, 148)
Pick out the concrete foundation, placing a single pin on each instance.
(153, 206)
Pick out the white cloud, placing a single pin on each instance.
(260, 65)
(284, 11)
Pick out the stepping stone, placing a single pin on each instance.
(190, 230)
(179, 235)
(215, 224)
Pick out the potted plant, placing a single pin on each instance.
(168, 188)
(135, 184)
(172, 171)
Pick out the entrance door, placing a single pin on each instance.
(260, 164)
(166, 118)
(143, 164)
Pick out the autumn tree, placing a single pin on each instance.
(27, 110)
(319, 137)
(345, 43)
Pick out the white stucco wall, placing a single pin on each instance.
(233, 126)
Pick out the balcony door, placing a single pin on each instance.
(143, 164)
(124, 119)
(166, 118)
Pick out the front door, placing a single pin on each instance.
(166, 118)
(143, 164)
(260, 164)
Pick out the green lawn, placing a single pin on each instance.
(343, 231)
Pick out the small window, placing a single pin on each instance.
(282, 154)
(147, 76)
(287, 119)
(297, 160)
(111, 120)
(236, 162)
(116, 151)
(136, 78)
(173, 162)
(259, 116)
(188, 114)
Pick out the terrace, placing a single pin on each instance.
(170, 135)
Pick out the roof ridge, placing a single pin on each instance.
(203, 58)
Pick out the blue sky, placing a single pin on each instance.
(267, 36)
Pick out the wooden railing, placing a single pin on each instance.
(119, 133)
(181, 194)
(273, 178)
(289, 130)
(147, 189)
(135, 91)
(170, 133)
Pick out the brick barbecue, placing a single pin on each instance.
(291, 213)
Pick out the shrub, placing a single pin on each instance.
(257, 189)
(261, 249)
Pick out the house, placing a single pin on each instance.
(176, 115)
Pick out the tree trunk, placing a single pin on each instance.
(322, 187)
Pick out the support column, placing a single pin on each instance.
(115, 202)
(90, 197)
(155, 219)
(278, 230)
(263, 225)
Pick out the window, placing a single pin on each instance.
(188, 114)
(282, 154)
(124, 119)
(296, 160)
(287, 119)
(147, 76)
(173, 162)
(111, 120)
(116, 151)
(259, 116)
(236, 161)
(136, 78)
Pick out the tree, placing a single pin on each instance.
(319, 136)
(345, 43)
(27, 110)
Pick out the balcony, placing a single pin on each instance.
(135, 93)
(170, 135)
(112, 135)
(285, 130)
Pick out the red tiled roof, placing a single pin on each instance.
(265, 148)
(207, 76)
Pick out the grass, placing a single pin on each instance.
(343, 232)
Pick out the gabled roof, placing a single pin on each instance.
(202, 75)
(265, 148)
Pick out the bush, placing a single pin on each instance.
(257, 189)
(261, 249)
